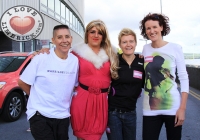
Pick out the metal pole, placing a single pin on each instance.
(161, 6)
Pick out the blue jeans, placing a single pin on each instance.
(122, 125)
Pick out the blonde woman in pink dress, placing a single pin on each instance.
(97, 63)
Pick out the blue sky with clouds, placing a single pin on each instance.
(184, 18)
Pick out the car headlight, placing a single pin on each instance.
(2, 84)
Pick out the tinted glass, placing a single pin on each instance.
(11, 63)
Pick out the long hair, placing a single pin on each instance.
(105, 44)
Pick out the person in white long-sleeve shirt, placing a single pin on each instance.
(162, 101)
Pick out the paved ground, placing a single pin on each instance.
(191, 129)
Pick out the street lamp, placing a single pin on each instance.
(161, 6)
(143, 40)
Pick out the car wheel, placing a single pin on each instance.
(13, 107)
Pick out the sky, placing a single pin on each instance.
(184, 19)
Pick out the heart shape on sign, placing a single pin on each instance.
(22, 25)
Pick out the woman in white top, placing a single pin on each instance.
(162, 101)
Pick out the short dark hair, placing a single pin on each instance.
(60, 27)
(162, 20)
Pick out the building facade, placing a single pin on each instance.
(54, 12)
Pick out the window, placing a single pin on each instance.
(62, 13)
(51, 7)
(74, 22)
(59, 11)
(44, 5)
(11, 63)
(44, 2)
(51, 4)
(67, 16)
(70, 19)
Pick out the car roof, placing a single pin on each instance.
(14, 53)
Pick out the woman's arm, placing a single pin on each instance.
(184, 84)
(180, 114)
(43, 50)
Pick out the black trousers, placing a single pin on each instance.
(152, 126)
(43, 128)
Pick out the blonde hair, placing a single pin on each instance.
(125, 32)
(105, 44)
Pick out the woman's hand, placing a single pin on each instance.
(141, 56)
(180, 114)
(180, 117)
(43, 50)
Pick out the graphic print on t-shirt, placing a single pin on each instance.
(158, 81)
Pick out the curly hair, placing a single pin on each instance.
(105, 44)
(162, 20)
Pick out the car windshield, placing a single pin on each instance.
(11, 63)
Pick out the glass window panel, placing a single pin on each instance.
(51, 13)
(70, 19)
(51, 4)
(77, 22)
(44, 2)
(79, 28)
(74, 22)
(67, 23)
(43, 8)
(57, 7)
(82, 31)
(57, 16)
(62, 10)
(76, 25)
(67, 14)
(70, 16)
(63, 20)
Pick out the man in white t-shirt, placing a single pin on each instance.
(49, 81)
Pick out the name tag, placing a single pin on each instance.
(148, 59)
(137, 74)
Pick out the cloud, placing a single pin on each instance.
(184, 18)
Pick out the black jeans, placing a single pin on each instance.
(43, 128)
(152, 126)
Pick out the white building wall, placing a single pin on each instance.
(7, 4)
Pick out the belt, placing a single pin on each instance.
(120, 110)
(94, 90)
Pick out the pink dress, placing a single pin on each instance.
(89, 111)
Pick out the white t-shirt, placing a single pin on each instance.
(52, 81)
(161, 94)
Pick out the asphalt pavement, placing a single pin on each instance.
(191, 128)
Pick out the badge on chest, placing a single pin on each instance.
(137, 74)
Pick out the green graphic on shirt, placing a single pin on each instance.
(158, 83)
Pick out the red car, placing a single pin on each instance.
(12, 97)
